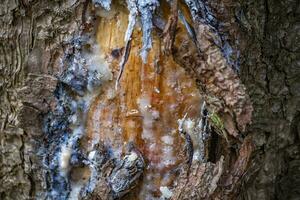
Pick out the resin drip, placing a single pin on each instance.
(150, 100)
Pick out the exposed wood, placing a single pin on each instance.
(146, 107)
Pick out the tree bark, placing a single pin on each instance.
(148, 100)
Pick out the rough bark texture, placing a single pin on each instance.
(270, 71)
(263, 162)
(32, 37)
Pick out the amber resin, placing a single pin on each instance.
(145, 108)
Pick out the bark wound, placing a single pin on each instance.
(146, 107)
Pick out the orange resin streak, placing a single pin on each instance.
(146, 107)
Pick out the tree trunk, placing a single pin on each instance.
(149, 99)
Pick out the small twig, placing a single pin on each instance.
(133, 12)
(123, 62)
